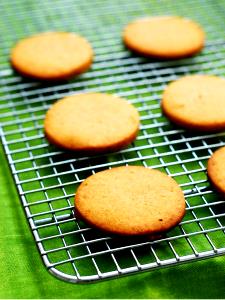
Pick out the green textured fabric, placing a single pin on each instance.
(24, 276)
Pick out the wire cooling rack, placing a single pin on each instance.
(46, 178)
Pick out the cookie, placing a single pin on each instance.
(130, 200)
(216, 170)
(196, 102)
(52, 56)
(92, 122)
(165, 37)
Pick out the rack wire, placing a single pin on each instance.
(46, 177)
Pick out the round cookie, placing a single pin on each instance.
(92, 122)
(216, 170)
(52, 56)
(196, 102)
(166, 37)
(131, 200)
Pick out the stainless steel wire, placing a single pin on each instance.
(46, 177)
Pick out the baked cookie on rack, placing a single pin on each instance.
(52, 56)
(165, 37)
(130, 200)
(216, 170)
(196, 102)
(92, 123)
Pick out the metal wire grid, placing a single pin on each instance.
(46, 178)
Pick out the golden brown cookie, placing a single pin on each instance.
(52, 56)
(216, 170)
(196, 102)
(131, 200)
(166, 37)
(92, 122)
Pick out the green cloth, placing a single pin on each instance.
(24, 276)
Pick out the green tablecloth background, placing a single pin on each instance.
(24, 276)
